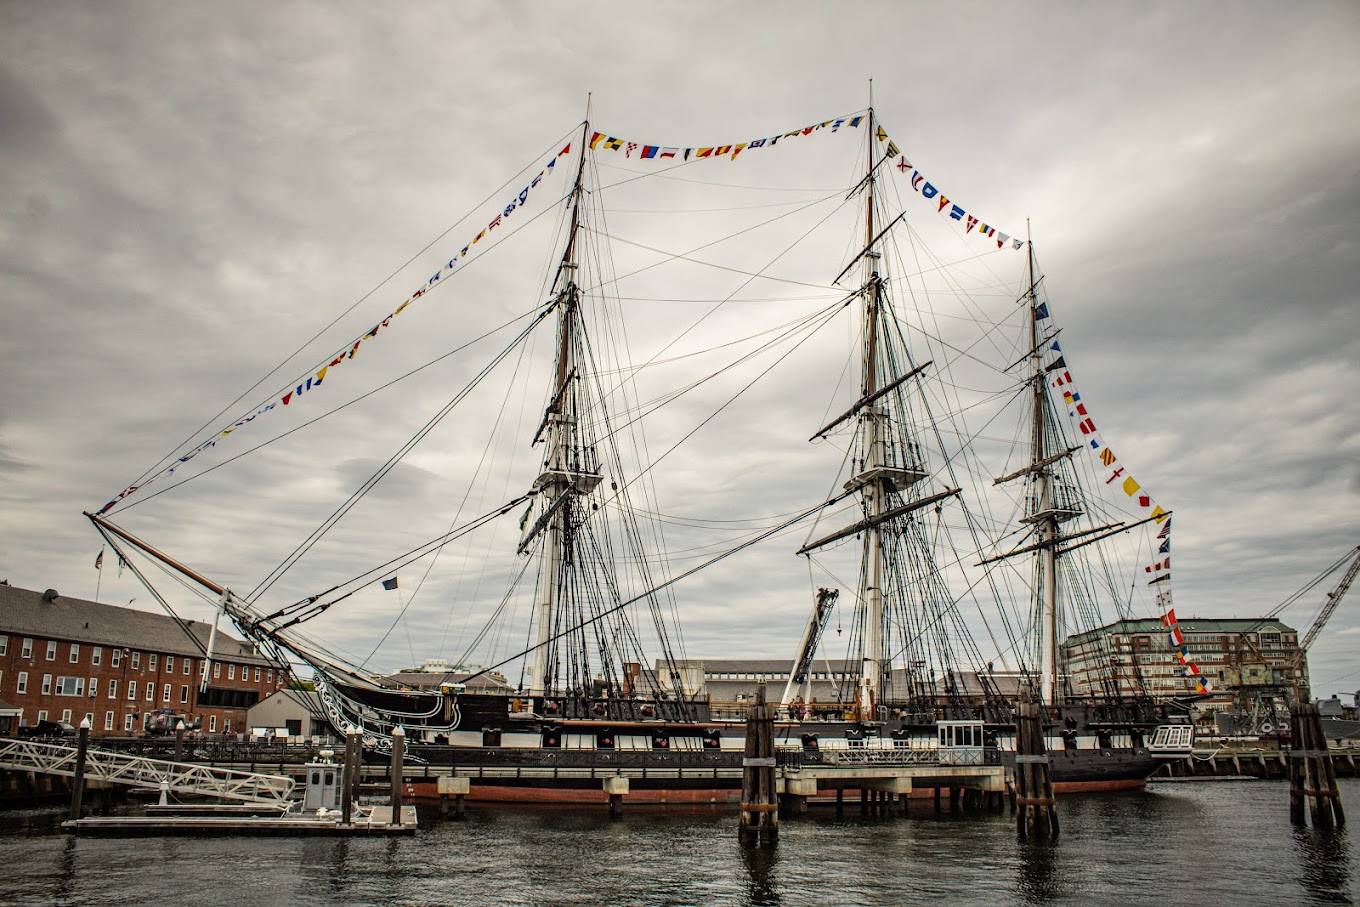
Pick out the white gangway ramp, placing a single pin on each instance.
(138, 771)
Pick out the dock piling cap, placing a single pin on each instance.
(85, 724)
(398, 731)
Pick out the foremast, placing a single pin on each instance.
(568, 467)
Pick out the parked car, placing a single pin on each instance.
(46, 728)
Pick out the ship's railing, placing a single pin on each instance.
(876, 756)
(138, 771)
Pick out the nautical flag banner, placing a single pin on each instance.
(1157, 572)
(315, 376)
(600, 141)
(99, 560)
(390, 584)
(955, 212)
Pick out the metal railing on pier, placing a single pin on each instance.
(142, 772)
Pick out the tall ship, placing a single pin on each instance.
(959, 559)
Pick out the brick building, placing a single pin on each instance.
(66, 659)
(1238, 656)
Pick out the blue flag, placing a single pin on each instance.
(390, 584)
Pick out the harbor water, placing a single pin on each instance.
(1224, 842)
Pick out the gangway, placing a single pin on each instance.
(149, 774)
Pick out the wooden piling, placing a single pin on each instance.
(398, 769)
(759, 818)
(78, 782)
(349, 774)
(1312, 777)
(1037, 814)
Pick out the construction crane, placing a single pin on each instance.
(807, 647)
(1301, 690)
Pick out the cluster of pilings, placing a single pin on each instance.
(1036, 814)
(1312, 777)
(759, 821)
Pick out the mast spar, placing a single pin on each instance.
(559, 476)
(871, 675)
(1045, 513)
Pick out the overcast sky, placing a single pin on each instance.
(190, 192)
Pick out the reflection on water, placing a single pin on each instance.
(760, 864)
(1325, 863)
(1037, 876)
(1118, 850)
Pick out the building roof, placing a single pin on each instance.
(430, 680)
(24, 612)
(307, 699)
(1226, 625)
(760, 665)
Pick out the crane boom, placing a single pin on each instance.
(807, 647)
(1333, 599)
(1301, 683)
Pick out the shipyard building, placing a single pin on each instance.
(1239, 657)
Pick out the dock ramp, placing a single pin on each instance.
(149, 774)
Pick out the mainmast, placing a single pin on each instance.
(562, 473)
(1045, 513)
(871, 674)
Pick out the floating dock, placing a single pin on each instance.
(377, 822)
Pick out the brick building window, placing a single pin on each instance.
(136, 661)
(42, 715)
(169, 664)
(187, 666)
(217, 670)
(26, 650)
(70, 686)
(47, 684)
(117, 658)
(165, 694)
(150, 691)
(212, 724)
(66, 715)
(4, 644)
(51, 650)
(151, 662)
(113, 689)
(184, 694)
(108, 721)
(132, 691)
(94, 687)
(23, 682)
(75, 653)
(97, 655)
(231, 672)
(257, 675)
(127, 722)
